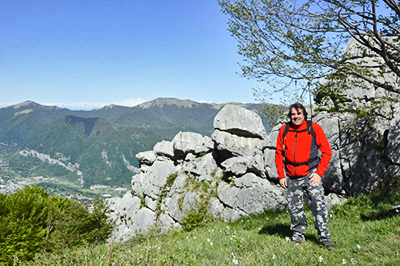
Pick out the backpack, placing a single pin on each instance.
(309, 128)
(311, 131)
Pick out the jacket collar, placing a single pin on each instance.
(301, 127)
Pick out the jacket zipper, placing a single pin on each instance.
(294, 157)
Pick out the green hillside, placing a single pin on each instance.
(20, 122)
(102, 152)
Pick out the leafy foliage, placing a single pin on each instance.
(31, 221)
(293, 45)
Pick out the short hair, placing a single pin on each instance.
(298, 106)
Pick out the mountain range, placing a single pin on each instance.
(96, 147)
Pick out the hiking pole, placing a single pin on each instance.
(309, 93)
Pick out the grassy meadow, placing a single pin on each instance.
(361, 233)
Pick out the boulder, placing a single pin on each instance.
(218, 210)
(164, 148)
(203, 167)
(270, 167)
(151, 182)
(237, 165)
(189, 142)
(173, 206)
(146, 157)
(232, 144)
(251, 194)
(333, 179)
(142, 221)
(166, 223)
(239, 121)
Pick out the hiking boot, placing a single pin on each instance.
(297, 241)
(328, 244)
(296, 238)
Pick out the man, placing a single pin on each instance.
(300, 169)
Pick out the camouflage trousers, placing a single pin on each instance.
(316, 201)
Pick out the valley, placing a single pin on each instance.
(89, 154)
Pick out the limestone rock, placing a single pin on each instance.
(240, 121)
(270, 167)
(143, 220)
(393, 147)
(189, 142)
(173, 206)
(164, 148)
(251, 194)
(150, 183)
(203, 167)
(166, 223)
(333, 179)
(218, 210)
(146, 157)
(237, 165)
(333, 199)
(233, 144)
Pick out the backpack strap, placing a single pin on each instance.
(311, 129)
(286, 130)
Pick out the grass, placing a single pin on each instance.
(256, 240)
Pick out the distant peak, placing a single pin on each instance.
(111, 106)
(160, 102)
(25, 104)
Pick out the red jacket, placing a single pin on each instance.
(299, 147)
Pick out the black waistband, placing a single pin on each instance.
(303, 163)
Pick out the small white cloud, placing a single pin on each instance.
(131, 102)
(76, 106)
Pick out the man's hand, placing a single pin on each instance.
(315, 179)
(283, 182)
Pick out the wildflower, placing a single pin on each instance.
(227, 227)
(353, 261)
(344, 261)
(194, 237)
(259, 228)
(358, 246)
(235, 261)
(273, 256)
(208, 240)
(211, 243)
(320, 259)
(287, 238)
(187, 237)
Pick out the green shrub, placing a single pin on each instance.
(197, 216)
(31, 221)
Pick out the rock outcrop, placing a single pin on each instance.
(233, 173)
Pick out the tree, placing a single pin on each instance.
(294, 45)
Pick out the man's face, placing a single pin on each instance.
(296, 116)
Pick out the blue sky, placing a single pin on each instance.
(84, 54)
